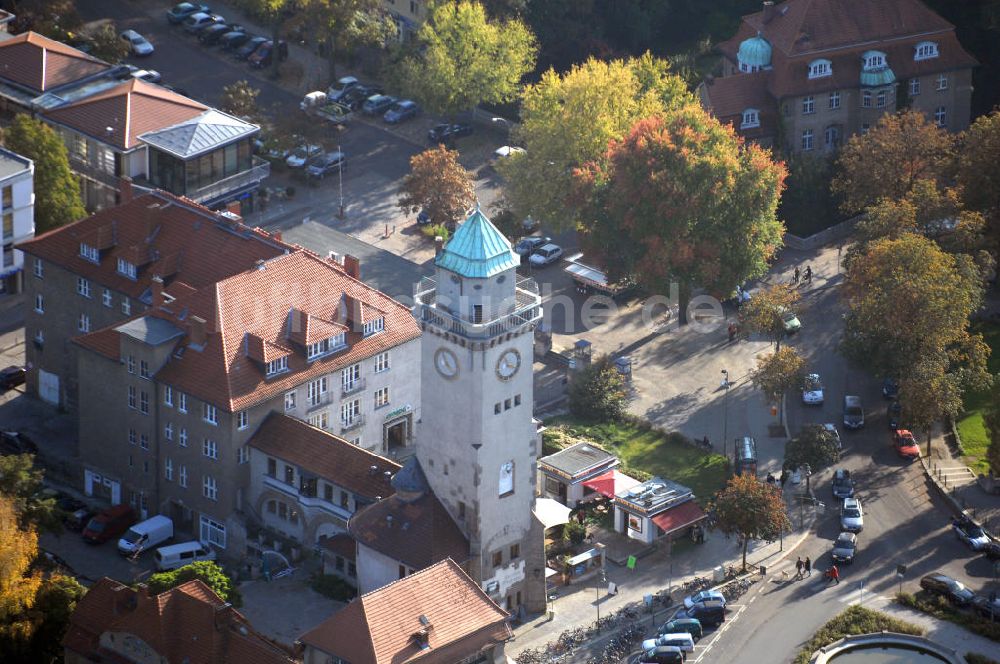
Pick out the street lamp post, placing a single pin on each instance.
(725, 413)
(599, 578)
(340, 183)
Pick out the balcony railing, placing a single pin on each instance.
(307, 501)
(527, 308)
(354, 423)
(258, 172)
(324, 399)
(352, 387)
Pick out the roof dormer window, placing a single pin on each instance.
(275, 367)
(874, 60)
(326, 346)
(925, 50)
(820, 68)
(374, 326)
(90, 253)
(126, 269)
(751, 118)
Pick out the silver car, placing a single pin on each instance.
(844, 548)
(852, 518)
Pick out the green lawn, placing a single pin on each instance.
(647, 450)
(970, 425)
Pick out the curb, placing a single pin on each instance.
(952, 503)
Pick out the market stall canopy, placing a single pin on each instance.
(551, 512)
(682, 516)
(610, 483)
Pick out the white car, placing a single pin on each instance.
(851, 516)
(545, 255)
(506, 151)
(148, 75)
(303, 154)
(812, 390)
(691, 600)
(137, 44)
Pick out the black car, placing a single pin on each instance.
(661, 655)
(710, 612)
(890, 388)
(262, 57)
(445, 133)
(892, 413)
(234, 39)
(181, 11)
(11, 377)
(251, 45)
(214, 33)
(941, 584)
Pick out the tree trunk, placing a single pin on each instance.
(746, 544)
(683, 301)
(927, 432)
(275, 46)
(331, 45)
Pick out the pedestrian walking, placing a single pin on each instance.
(835, 574)
(809, 274)
(808, 566)
(795, 275)
(798, 568)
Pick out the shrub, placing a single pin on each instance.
(574, 531)
(434, 230)
(207, 570)
(855, 620)
(940, 608)
(333, 587)
(597, 393)
(976, 658)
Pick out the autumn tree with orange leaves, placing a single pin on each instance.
(682, 200)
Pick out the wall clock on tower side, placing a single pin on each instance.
(446, 363)
(508, 364)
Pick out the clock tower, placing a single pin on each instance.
(478, 443)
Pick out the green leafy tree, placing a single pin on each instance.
(275, 13)
(54, 604)
(57, 191)
(108, 46)
(597, 393)
(682, 202)
(438, 184)
(778, 372)
(461, 59)
(568, 119)
(345, 25)
(807, 204)
(889, 160)
(21, 483)
(751, 510)
(240, 99)
(207, 570)
(765, 312)
(813, 446)
(978, 175)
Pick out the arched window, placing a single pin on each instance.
(873, 60)
(820, 68)
(925, 50)
(751, 118)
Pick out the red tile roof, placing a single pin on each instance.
(726, 98)
(129, 110)
(459, 620)
(349, 466)
(259, 301)
(38, 63)
(342, 545)
(189, 245)
(418, 533)
(187, 623)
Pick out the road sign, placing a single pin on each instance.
(631, 562)
(900, 570)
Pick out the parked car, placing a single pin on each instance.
(662, 655)
(195, 23)
(377, 104)
(506, 151)
(109, 524)
(446, 133)
(16, 442)
(812, 390)
(547, 254)
(844, 548)
(328, 164)
(527, 245)
(179, 12)
(248, 47)
(356, 96)
(851, 516)
(790, 322)
(301, 155)
(987, 607)
(78, 519)
(831, 430)
(12, 376)
(704, 595)
(145, 534)
(179, 555)
(892, 414)
(682, 640)
(944, 585)
(971, 533)
(137, 44)
(890, 388)
(854, 413)
(234, 39)
(690, 625)
(843, 485)
(401, 111)
(344, 85)
(905, 444)
(213, 33)
(262, 57)
(710, 613)
(148, 75)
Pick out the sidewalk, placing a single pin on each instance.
(577, 605)
(958, 484)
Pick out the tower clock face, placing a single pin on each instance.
(508, 364)
(446, 363)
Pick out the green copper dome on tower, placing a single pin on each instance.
(754, 53)
(477, 250)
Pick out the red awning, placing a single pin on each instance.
(675, 518)
(603, 484)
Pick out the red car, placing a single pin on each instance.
(905, 444)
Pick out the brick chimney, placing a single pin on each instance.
(768, 11)
(352, 266)
(354, 312)
(196, 331)
(156, 287)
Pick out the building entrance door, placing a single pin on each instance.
(397, 435)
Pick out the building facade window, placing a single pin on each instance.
(83, 286)
(242, 420)
(942, 82)
(941, 116)
(289, 401)
(874, 60)
(106, 297)
(126, 269)
(40, 337)
(272, 467)
(820, 68)
(808, 105)
(144, 369)
(209, 413)
(209, 489)
(168, 469)
(126, 306)
(131, 397)
(350, 412)
(38, 268)
(243, 454)
(914, 87)
(864, 128)
(209, 448)
(144, 403)
(320, 420)
(326, 346)
(751, 118)
(182, 476)
(168, 396)
(39, 304)
(130, 364)
(925, 51)
(807, 140)
(866, 99)
(382, 362)
(90, 253)
(381, 397)
(350, 378)
(213, 532)
(168, 430)
(880, 99)
(182, 402)
(144, 441)
(83, 324)
(133, 437)
(834, 101)
(277, 366)
(182, 437)
(374, 326)
(317, 391)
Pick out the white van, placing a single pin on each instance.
(145, 535)
(179, 555)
